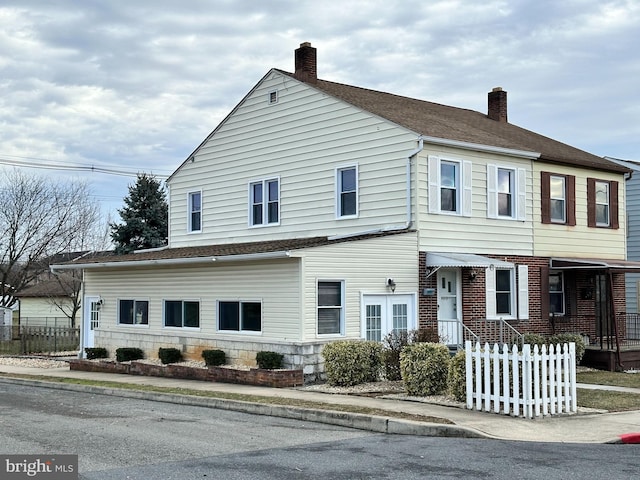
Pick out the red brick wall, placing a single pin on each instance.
(473, 299)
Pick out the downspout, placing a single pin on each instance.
(409, 157)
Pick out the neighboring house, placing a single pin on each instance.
(633, 229)
(318, 211)
(47, 303)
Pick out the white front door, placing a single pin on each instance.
(385, 313)
(449, 322)
(90, 320)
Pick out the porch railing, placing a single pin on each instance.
(22, 340)
(455, 333)
(631, 333)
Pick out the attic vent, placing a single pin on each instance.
(273, 97)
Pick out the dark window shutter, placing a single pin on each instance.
(613, 204)
(544, 293)
(545, 194)
(591, 202)
(571, 199)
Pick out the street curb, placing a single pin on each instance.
(372, 423)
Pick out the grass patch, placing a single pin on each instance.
(608, 400)
(601, 377)
(289, 402)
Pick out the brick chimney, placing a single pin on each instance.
(498, 105)
(306, 63)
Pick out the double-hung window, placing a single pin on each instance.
(507, 292)
(330, 308)
(195, 212)
(602, 203)
(558, 198)
(506, 192)
(240, 316)
(347, 192)
(264, 202)
(133, 312)
(449, 186)
(556, 293)
(182, 313)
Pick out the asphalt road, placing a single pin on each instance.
(119, 438)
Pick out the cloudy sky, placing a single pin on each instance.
(134, 86)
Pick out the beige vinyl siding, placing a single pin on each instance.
(260, 141)
(274, 283)
(364, 266)
(580, 240)
(478, 233)
(36, 311)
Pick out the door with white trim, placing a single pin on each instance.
(90, 320)
(449, 309)
(386, 313)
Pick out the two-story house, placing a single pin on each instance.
(318, 211)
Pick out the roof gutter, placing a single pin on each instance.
(174, 261)
(483, 148)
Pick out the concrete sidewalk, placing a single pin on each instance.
(584, 427)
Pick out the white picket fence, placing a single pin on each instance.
(528, 383)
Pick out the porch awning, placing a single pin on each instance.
(468, 260)
(593, 264)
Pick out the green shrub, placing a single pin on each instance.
(563, 338)
(95, 352)
(169, 355)
(351, 362)
(533, 339)
(424, 368)
(213, 358)
(127, 354)
(269, 360)
(456, 377)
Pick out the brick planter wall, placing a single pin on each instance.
(253, 376)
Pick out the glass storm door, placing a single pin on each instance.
(449, 327)
(91, 320)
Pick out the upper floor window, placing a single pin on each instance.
(330, 308)
(273, 96)
(264, 201)
(240, 316)
(181, 313)
(602, 203)
(558, 198)
(449, 186)
(195, 211)
(506, 192)
(133, 312)
(347, 192)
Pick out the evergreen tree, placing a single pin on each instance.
(144, 217)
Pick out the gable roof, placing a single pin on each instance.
(459, 124)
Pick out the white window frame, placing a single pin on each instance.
(339, 192)
(463, 186)
(191, 211)
(562, 199)
(519, 194)
(607, 204)
(342, 308)
(273, 97)
(519, 298)
(135, 301)
(183, 301)
(240, 330)
(264, 202)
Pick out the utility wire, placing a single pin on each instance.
(37, 163)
